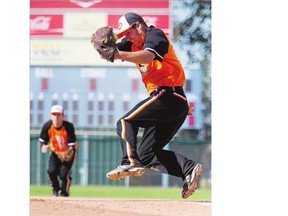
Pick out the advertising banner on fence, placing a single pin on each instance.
(161, 21)
(99, 4)
(46, 25)
(82, 25)
(67, 52)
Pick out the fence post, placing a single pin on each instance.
(164, 177)
(38, 164)
(84, 168)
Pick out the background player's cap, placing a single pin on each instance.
(126, 21)
(57, 109)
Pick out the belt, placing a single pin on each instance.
(171, 88)
(178, 89)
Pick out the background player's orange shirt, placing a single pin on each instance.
(58, 139)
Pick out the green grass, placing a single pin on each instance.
(122, 192)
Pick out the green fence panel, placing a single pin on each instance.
(99, 154)
(33, 161)
(103, 157)
(38, 163)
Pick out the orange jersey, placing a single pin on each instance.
(59, 139)
(165, 69)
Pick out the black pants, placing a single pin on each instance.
(60, 170)
(161, 115)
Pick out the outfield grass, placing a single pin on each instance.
(122, 192)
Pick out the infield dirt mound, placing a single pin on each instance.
(72, 206)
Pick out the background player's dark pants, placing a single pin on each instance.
(161, 115)
(63, 170)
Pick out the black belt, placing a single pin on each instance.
(178, 89)
(171, 88)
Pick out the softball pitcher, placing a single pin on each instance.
(162, 113)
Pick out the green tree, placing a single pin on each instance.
(192, 33)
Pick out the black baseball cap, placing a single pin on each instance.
(126, 21)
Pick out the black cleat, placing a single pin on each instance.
(55, 193)
(191, 182)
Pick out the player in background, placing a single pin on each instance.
(58, 135)
(161, 114)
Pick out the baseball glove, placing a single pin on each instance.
(104, 41)
(66, 155)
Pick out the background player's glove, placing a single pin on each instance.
(66, 155)
(104, 41)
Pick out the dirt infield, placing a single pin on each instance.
(62, 206)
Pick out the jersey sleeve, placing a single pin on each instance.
(71, 136)
(44, 137)
(157, 42)
(124, 45)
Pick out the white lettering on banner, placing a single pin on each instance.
(93, 73)
(40, 23)
(150, 20)
(43, 73)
